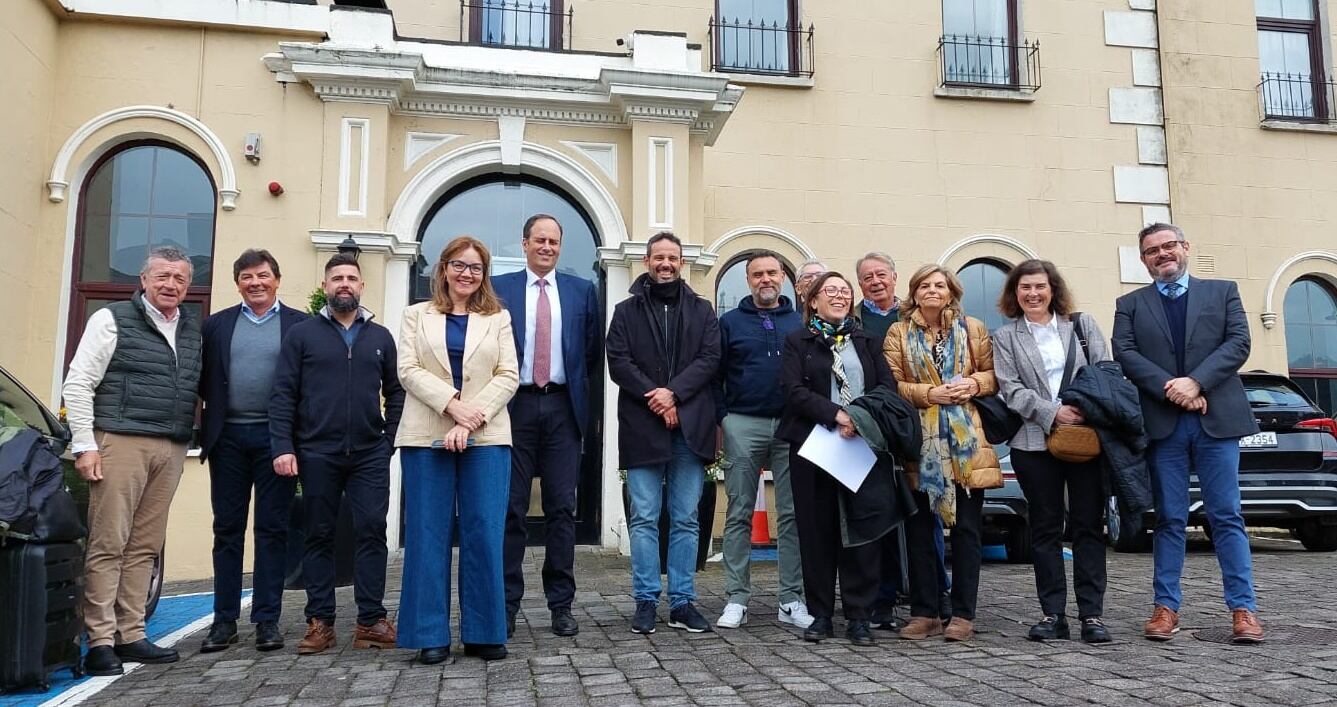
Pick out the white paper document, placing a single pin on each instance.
(848, 460)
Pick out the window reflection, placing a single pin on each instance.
(732, 286)
(983, 283)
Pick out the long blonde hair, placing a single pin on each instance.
(922, 274)
(484, 299)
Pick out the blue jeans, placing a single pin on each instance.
(1216, 462)
(682, 477)
(436, 481)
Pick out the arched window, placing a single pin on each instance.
(1311, 339)
(731, 287)
(493, 209)
(139, 196)
(983, 282)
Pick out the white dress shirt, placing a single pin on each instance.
(90, 365)
(557, 371)
(1052, 353)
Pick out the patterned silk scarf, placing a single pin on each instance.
(949, 430)
(836, 336)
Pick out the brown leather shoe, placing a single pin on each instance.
(1245, 627)
(318, 639)
(378, 635)
(921, 627)
(1163, 624)
(959, 630)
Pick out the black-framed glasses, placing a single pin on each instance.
(1166, 247)
(835, 292)
(459, 266)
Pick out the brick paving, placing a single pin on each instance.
(766, 663)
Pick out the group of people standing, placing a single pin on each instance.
(488, 387)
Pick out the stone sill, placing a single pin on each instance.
(1007, 95)
(1297, 126)
(769, 80)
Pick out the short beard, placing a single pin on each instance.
(1172, 276)
(343, 303)
(767, 301)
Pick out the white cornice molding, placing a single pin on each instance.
(58, 182)
(1269, 315)
(328, 241)
(243, 14)
(629, 253)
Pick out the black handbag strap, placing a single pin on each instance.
(1069, 367)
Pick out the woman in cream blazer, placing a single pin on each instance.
(458, 364)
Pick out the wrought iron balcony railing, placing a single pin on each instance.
(1298, 97)
(989, 62)
(755, 47)
(527, 24)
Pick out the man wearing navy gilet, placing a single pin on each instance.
(1182, 341)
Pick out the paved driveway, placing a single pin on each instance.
(765, 663)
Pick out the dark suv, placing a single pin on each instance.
(1288, 471)
(19, 407)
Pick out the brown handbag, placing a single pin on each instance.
(1074, 443)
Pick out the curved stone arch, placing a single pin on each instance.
(444, 172)
(59, 183)
(722, 253)
(972, 243)
(716, 247)
(1269, 315)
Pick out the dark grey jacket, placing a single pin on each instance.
(148, 389)
(1216, 345)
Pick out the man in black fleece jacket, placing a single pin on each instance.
(326, 426)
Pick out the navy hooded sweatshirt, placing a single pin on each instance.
(751, 341)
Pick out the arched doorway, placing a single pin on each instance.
(1311, 339)
(731, 286)
(983, 281)
(138, 196)
(493, 208)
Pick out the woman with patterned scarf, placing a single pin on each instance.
(942, 359)
(825, 366)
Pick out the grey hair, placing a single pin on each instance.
(1157, 228)
(171, 254)
(878, 256)
(811, 261)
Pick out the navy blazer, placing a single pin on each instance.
(1216, 345)
(217, 357)
(582, 332)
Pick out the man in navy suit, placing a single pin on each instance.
(241, 349)
(559, 336)
(1182, 341)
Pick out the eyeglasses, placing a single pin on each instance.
(810, 276)
(1166, 247)
(459, 266)
(834, 292)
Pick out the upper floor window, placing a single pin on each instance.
(1290, 56)
(760, 37)
(979, 43)
(531, 24)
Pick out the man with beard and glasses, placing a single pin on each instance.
(663, 351)
(1182, 341)
(241, 352)
(748, 402)
(326, 427)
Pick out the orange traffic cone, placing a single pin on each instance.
(761, 530)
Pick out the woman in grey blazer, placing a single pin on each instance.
(1031, 352)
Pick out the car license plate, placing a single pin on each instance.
(1262, 439)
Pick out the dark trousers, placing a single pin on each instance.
(817, 514)
(365, 478)
(1043, 479)
(926, 584)
(545, 441)
(240, 460)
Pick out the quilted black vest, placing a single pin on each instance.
(147, 390)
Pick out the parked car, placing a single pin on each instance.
(19, 406)
(1288, 471)
(1005, 513)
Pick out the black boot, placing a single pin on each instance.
(433, 656)
(145, 651)
(102, 660)
(1052, 626)
(267, 636)
(819, 629)
(1094, 631)
(859, 632)
(221, 635)
(486, 651)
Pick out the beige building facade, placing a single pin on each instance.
(971, 133)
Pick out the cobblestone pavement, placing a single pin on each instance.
(766, 663)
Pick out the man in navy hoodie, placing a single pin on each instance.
(749, 401)
(326, 427)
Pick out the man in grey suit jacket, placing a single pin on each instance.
(1182, 341)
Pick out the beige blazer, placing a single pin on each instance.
(491, 375)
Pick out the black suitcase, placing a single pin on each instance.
(41, 587)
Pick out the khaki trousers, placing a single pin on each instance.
(127, 523)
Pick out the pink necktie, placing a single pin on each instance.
(543, 337)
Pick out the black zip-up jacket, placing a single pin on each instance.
(1110, 404)
(641, 358)
(327, 395)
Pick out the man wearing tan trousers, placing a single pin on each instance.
(130, 396)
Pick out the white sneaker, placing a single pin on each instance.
(734, 615)
(796, 613)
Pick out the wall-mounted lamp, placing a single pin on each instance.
(348, 246)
